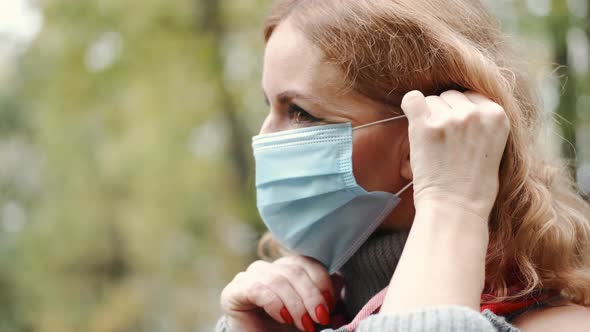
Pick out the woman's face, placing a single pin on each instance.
(302, 90)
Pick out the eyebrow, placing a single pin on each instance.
(288, 95)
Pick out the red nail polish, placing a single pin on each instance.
(286, 316)
(322, 314)
(329, 300)
(307, 323)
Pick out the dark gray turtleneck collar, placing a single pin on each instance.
(370, 269)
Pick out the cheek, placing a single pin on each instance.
(374, 161)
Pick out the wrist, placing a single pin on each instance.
(451, 222)
(474, 210)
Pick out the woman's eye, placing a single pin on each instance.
(299, 115)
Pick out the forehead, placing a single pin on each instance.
(292, 62)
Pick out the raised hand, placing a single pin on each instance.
(456, 141)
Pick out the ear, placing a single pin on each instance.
(405, 166)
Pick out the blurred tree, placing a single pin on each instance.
(558, 24)
(213, 27)
(141, 189)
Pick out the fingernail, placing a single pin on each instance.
(307, 323)
(329, 300)
(322, 314)
(286, 316)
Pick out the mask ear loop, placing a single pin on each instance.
(404, 188)
(378, 122)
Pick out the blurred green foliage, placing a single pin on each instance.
(118, 110)
(126, 196)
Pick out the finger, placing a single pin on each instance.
(478, 98)
(414, 106)
(263, 297)
(458, 102)
(439, 109)
(245, 293)
(438, 104)
(260, 275)
(234, 297)
(281, 286)
(489, 107)
(318, 275)
(311, 295)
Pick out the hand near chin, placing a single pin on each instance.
(291, 294)
(456, 141)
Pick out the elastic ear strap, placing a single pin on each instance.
(404, 188)
(378, 122)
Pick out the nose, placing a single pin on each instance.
(271, 124)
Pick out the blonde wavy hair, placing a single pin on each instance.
(539, 226)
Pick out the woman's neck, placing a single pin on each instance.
(370, 269)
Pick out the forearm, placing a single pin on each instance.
(443, 262)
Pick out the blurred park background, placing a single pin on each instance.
(126, 177)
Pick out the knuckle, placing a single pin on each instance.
(495, 107)
(321, 276)
(267, 298)
(473, 117)
(257, 287)
(306, 263)
(297, 271)
(498, 114)
(430, 99)
(277, 279)
(449, 93)
(260, 294)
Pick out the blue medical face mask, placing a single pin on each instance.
(307, 194)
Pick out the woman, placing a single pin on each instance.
(426, 93)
